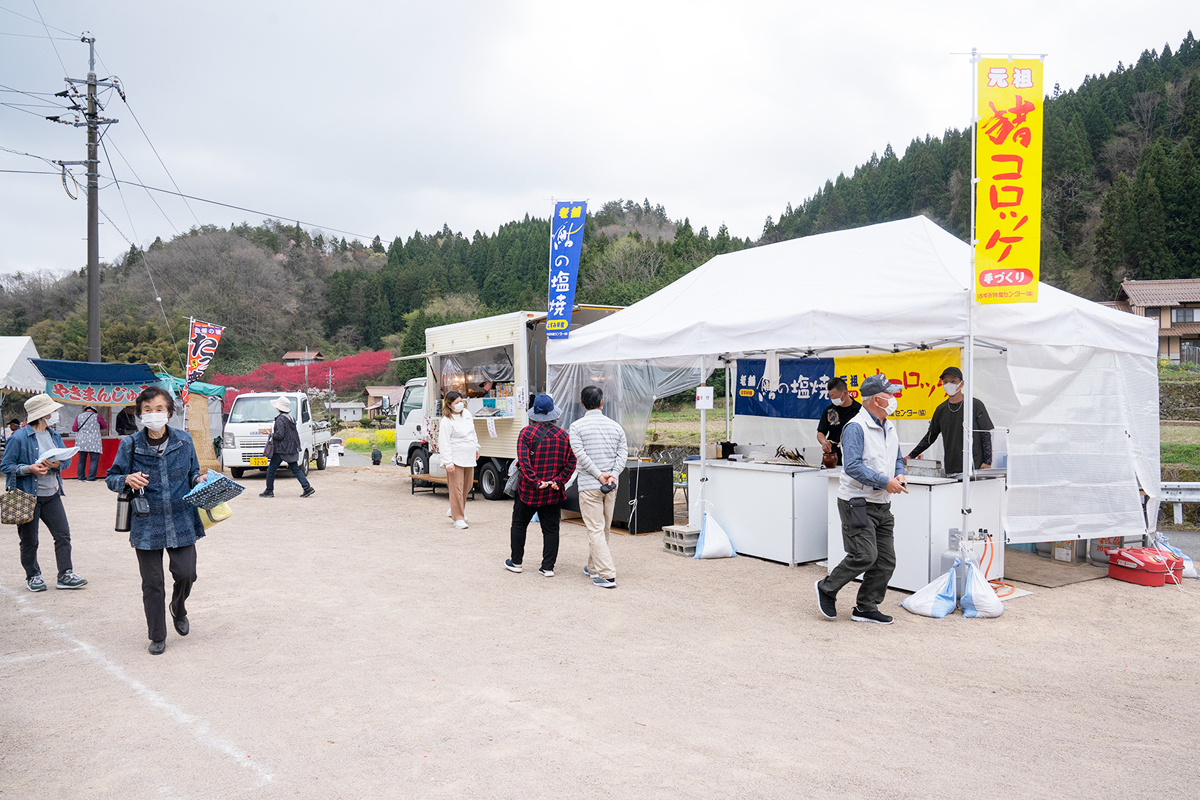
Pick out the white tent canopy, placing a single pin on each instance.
(16, 373)
(1080, 393)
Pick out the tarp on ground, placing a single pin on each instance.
(1080, 378)
(17, 373)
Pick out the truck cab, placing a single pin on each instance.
(251, 422)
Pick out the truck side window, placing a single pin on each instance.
(304, 406)
(414, 398)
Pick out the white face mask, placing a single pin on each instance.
(891, 407)
(458, 406)
(951, 389)
(155, 422)
(52, 420)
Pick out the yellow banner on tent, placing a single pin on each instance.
(1008, 197)
(919, 371)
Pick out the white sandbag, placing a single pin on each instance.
(1163, 543)
(713, 541)
(936, 599)
(979, 599)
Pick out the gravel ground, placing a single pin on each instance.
(353, 645)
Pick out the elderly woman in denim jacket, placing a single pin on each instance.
(162, 462)
(29, 472)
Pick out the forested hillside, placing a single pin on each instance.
(1121, 199)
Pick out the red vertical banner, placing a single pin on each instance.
(203, 339)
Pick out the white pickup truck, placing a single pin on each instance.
(250, 423)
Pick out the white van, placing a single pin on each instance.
(498, 364)
(251, 421)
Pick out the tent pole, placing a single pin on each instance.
(728, 429)
(695, 523)
(969, 346)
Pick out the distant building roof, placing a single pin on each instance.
(300, 355)
(1119, 305)
(1162, 293)
(345, 405)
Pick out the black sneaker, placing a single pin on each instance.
(309, 492)
(870, 616)
(549, 573)
(157, 648)
(36, 584)
(827, 604)
(511, 567)
(69, 580)
(266, 494)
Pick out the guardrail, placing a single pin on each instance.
(1178, 493)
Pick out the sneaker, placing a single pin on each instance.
(511, 567)
(157, 648)
(549, 573)
(604, 583)
(448, 514)
(36, 584)
(827, 604)
(460, 524)
(589, 573)
(309, 492)
(69, 580)
(266, 494)
(870, 616)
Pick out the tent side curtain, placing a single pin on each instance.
(16, 372)
(629, 389)
(84, 372)
(195, 387)
(1075, 449)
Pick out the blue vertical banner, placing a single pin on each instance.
(566, 243)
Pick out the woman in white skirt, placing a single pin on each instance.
(459, 446)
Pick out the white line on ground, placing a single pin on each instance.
(198, 726)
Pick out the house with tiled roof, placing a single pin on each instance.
(1174, 304)
(375, 396)
(293, 358)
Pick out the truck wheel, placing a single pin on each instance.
(321, 458)
(418, 464)
(237, 472)
(304, 463)
(490, 482)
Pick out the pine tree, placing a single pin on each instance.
(1189, 123)
(1110, 267)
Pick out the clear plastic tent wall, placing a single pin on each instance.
(629, 389)
(1083, 440)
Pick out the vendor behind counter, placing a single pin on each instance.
(947, 422)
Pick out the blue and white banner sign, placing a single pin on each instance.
(801, 393)
(566, 243)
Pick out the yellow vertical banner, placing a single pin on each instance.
(1008, 197)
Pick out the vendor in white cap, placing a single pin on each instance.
(286, 441)
(28, 471)
(874, 469)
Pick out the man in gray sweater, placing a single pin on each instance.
(600, 453)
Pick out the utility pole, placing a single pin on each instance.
(92, 121)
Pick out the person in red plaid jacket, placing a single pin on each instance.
(546, 462)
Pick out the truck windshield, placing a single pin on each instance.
(252, 409)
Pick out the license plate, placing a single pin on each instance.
(258, 461)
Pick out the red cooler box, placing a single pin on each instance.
(1144, 566)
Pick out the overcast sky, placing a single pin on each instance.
(386, 118)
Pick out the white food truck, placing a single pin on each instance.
(498, 364)
(250, 423)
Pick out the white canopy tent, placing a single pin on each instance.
(1075, 383)
(17, 374)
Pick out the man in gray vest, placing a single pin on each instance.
(874, 468)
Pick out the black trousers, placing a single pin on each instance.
(84, 467)
(183, 570)
(294, 466)
(549, 516)
(870, 551)
(50, 509)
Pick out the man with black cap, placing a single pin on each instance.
(874, 468)
(947, 422)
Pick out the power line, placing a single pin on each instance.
(29, 171)
(247, 210)
(37, 36)
(48, 36)
(31, 19)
